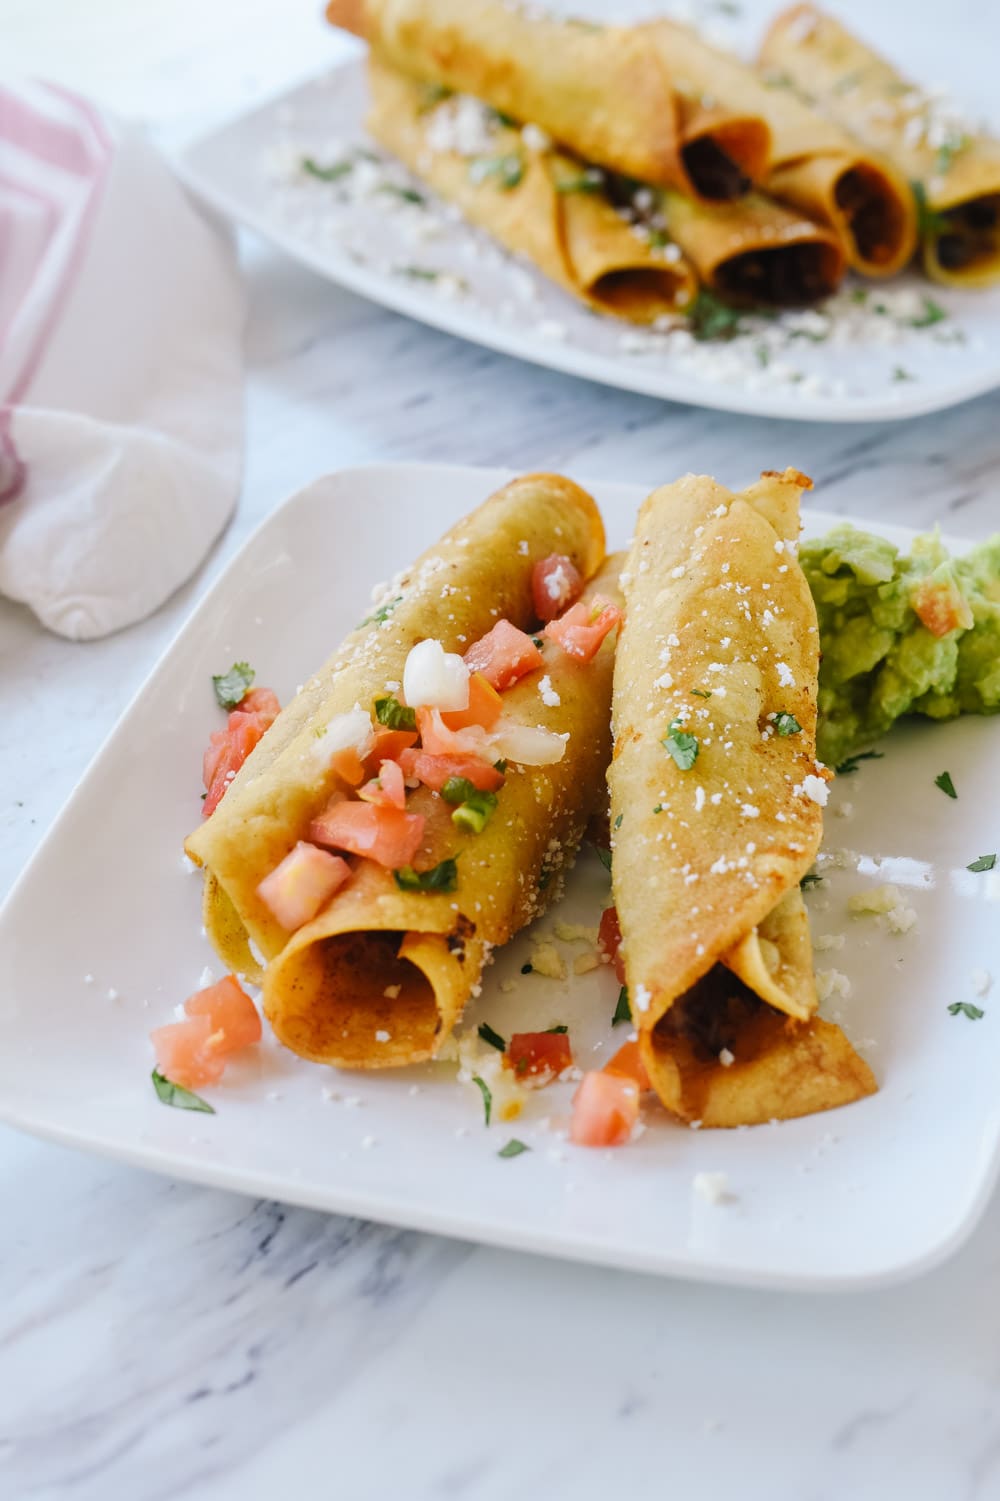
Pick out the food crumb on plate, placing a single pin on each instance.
(981, 981)
(712, 1187)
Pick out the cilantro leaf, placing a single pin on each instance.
(623, 1011)
(333, 173)
(394, 715)
(604, 856)
(848, 767)
(591, 180)
(431, 95)
(810, 879)
(618, 821)
(487, 1094)
(381, 615)
(440, 877)
(559, 1028)
(514, 1148)
(507, 170)
(985, 862)
(408, 195)
(702, 692)
(900, 374)
(946, 784)
(966, 1008)
(169, 1093)
(933, 313)
(232, 687)
(494, 1039)
(709, 318)
(681, 746)
(929, 222)
(787, 724)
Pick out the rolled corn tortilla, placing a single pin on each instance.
(716, 803)
(956, 168)
(755, 251)
(537, 202)
(815, 164)
(600, 91)
(381, 976)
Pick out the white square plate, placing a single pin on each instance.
(858, 1196)
(438, 269)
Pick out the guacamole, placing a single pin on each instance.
(917, 634)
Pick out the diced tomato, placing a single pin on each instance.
(385, 835)
(609, 938)
(628, 1064)
(503, 655)
(230, 1011)
(555, 584)
(304, 882)
(434, 771)
(940, 605)
(260, 701)
(538, 1053)
(388, 744)
(605, 1110)
(348, 765)
(584, 626)
(187, 1052)
(438, 740)
(388, 789)
(485, 706)
(218, 743)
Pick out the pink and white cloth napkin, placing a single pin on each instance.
(121, 403)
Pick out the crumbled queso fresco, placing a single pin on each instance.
(340, 195)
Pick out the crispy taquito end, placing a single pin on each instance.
(955, 168)
(601, 91)
(814, 163)
(455, 592)
(538, 202)
(716, 799)
(756, 252)
(381, 975)
(774, 1069)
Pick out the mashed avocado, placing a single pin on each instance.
(901, 635)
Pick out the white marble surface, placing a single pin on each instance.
(162, 1340)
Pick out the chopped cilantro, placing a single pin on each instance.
(899, 374)
(787, 724)
(507, 170)
(514, 1148)
(538, 641)
(333, 173)
(965, 1008)
(526, 969)
(500, 118)
(849, 81)
(182, 1099)
(681, 746)
(559, 1028)
(659, 239)
(860, 295)
(709, 318)
(394, 715)
(985, 862)
(658, 808)
(487, 1095)
(431, 95)
(933, 313)
(494, 1039)
(456, 790)
(848, 767)
(589, 181)
(500, 766)
(618, 821)
(441, 877)
(702, 692)
(948, 151)
(381, 615)
(603, 855)
(810, 879)
(946, 784)
(929, 222)
(762, 355)
(623, 1011)
(475, 812)
(408, 195)
(232, 687)
(419, 273)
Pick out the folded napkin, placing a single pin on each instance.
(121, 407)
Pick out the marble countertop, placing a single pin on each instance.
(158, 1339)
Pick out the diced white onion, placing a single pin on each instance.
(349, 731)
(435, 679)
(527, 744)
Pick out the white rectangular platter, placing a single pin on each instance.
(101, 938)
(866, 356)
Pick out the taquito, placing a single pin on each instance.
(600, 91)
(955, 169)
(381, 976)
(536, 201)
(756, 251)
(716, 807)
(479, 572)
(815, 164)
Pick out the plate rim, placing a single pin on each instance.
(566, 359)
(437, 1220)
